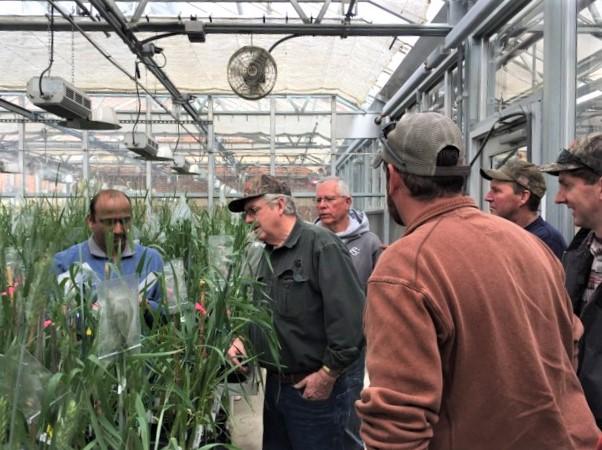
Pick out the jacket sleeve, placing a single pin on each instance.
(59, 264)
(343, 303)
(402, 404)
(153, 262)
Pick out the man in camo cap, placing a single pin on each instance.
(516, 190)
(469, 328)
(579, 171)
(309, 283)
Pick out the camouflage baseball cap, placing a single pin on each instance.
(415, 142)
(583, 153)
(521, 172)
(256, 187)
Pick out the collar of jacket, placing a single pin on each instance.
(293, 236)
(579, 239)
(440, 208)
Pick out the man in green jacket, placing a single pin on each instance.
(317, 301)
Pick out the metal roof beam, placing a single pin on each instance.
(300, 11)
(139, 11)
(113, 16)
(322, 12)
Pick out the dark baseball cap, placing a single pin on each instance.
(583, 153)
(415, 142)
(521, 172)
(256, 187)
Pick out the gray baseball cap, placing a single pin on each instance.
(521, 172)
(415, 142)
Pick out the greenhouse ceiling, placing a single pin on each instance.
(330, 55)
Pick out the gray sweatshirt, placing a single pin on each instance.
(364, 246)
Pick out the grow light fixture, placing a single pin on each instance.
(182, 166)
(147, 148)
(9, 167)
(103, 118)
(57, 96)
(142, 144)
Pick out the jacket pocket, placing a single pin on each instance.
(292, 291)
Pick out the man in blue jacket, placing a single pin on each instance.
(108, 253)
(515, 194)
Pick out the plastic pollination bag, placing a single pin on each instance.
(23, 379)
(221, 249)
(119, 320)
(175, 285)
(181, 212)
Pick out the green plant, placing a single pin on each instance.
(160, 397)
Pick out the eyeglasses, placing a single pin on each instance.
(109, 223)
(327, 198)
(251, 211)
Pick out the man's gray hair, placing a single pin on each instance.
(342, 186)
(290, 209)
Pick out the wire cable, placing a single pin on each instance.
(138, 112)
(51, 61)
(121, 69)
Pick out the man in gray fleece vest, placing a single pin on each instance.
(333, 203)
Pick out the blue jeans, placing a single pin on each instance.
(291, 422)
(354, 381)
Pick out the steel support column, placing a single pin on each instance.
(86, 163)
(560, 61)
(272, 136)
(333, 136)
(149, 165)
(21, 155)
(210, 154)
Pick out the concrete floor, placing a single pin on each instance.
(246, 422)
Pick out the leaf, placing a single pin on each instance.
(141, 417)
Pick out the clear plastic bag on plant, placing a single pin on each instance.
(119, 319)
(175, 285)
(151, 229)
(23, 380)
(181, 212)
(83, 278)
(220, 250)
(13, 266)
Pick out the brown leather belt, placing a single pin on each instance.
(289, 378)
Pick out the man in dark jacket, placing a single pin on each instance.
(579, 171)
(316, 302)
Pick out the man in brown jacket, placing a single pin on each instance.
(470, 332)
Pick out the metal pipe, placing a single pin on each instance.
(392, 106)
(456, 9)
(349, 13)
(480, 12)
(19, 23)
(473, 17)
